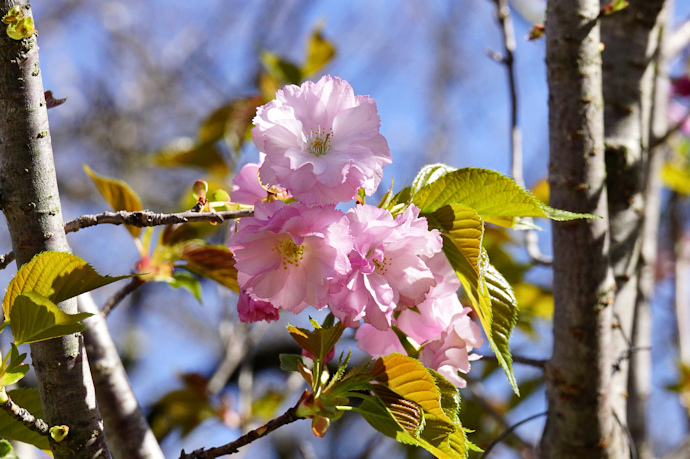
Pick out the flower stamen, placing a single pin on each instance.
(320, 142)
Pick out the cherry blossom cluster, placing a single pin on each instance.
(320, 145)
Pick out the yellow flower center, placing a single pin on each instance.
(382, 266)
(290, 253)
(320, 141)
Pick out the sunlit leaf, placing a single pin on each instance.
(428, 174)
(230, 121)
(14, 367)
(266, 406)
(495, 197)
(676, 178)
(280, 68)
(319, 53)
(214, 262)
(12, 429)
(186, 152)
(55, 275)
(318, 342)
(118, 194)
(35, 318)
(187, 282)
(408, 378)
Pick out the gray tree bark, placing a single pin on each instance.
(631, 39)
(129, 434)
(580, 421)
(29, 198)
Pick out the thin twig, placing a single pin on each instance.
(628, 436)
(141, 219)
(22, 415)
(509, 431)
(679, 39)
(288, 417)
(114, 300)
(508, 60)
(657, 141)
(539, 363)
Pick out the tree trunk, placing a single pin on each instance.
(29, 198)
(580, 421)
(631, 39)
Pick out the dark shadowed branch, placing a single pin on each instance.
(26, 418)
(114, 300)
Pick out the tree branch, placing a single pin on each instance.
(680, 38)
(539, 363)
(508, 34)
(509, 431)
(22, 415)
(114, 300)
(141, 219)
(288, 417)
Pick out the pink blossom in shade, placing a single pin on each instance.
(291, 255)
(246, 188)
(677, 113)
(450, 353)
(389, 269)
(378, 343)
(681, 86)
(251, 310)
(322, 143)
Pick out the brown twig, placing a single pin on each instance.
(288, 417)
(508, 60)
(22, 415)
(114, 300)
(141, 218)
(657, 141)
(539, 363)
(508, 432)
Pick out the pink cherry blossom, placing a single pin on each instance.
(389, 266)
(322, 142)
(378, 343)
(291, 255)
(247, 189)
(251, 310)
(450, 353)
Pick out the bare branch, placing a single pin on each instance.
(508, 60)
(22, 415)
(679, 39)
(288, 417)
(145, 218)
(141, 219)
(658, 141)
(539, 363)
(509, 431)
(114, 300)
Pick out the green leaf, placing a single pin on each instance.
(6, 450)
(212, 261)
(185, 152)
(230, 122)
(319, 53)
(318, 342)
(676, 178)
(187, 282)
(35, 318)
(429, 174)
(495, 197)
(15, 370)
(289, 362)
(408, 378)
(57, 276)
(475, 287)
(407, 414)
(118, 194)
(463, 227)
(12, 429)
(280, 68)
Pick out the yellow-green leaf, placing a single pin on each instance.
(408, 378)
(12, 429)
(230, 122)
(318, 342)
(319, 53)
(55, 275)
(280, 68)
(212, 261)
(463, 227)
(14, 367)
(495, 197)
(118, 194)
(35, 318)
(676, 178)
(185, 152)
